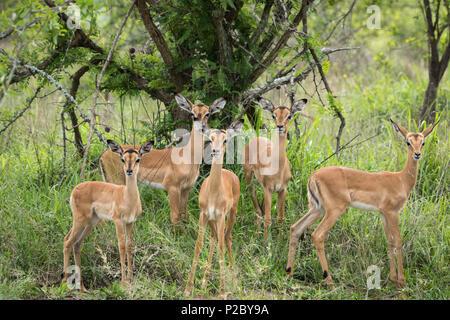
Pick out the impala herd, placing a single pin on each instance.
(330, 191)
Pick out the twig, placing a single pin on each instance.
(97, 89)
(327, 86)
(28, 106)
(345, 147)
(66, 94)
(64, 141)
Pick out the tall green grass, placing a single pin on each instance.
(35, 216)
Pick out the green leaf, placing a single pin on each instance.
(325, 66)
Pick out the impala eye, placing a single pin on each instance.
(408, 143)
(274, 117)
(138, 159)
(225, 141)
(207, 114)
(123, 160)
(289, 117)
(423, 143)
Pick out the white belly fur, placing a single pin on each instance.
(212, 213)
(154, 185)
(363, 206)
(103, 216)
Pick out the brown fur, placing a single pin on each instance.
(93, 201)
(158, 167)
(218, 200)
(254, 166)
(332, 189)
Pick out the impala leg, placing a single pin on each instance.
(121, 240)
(129, 229)
(267, 211)
(184, 197)
(390, 243)
(77, 249)
(230, 224)
(212, 246)
(281, 202)
(392, 221)
(198, 247)
(69, 241)
(318, 237)
(296, 231)
(174, 200)
(251, 187)
(221, 238)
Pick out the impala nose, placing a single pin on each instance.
(417, 155)
(215, 152)
(129, 172)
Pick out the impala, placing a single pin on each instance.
(332, 189)
(175, 169)
(218, 199)
(93, 201)
(268, 162)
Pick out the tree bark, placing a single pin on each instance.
(436, 66)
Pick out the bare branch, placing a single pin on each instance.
(160, 43)
(20, 114)
(263, 22)
(285, 77)
(9, 31)
(251, 94)
(281, 42)
(97, 89)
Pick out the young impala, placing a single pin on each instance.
(218, 199)
(268, 162)
(332, 189)
(93, 201)
(175, 169)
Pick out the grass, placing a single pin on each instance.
(35, 216)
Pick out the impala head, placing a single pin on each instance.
(415, 141)
(130, 157)
(200, 113)
(282, 114)
(219, 138)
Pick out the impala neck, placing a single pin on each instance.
(131, 187)
(282, 144)
(195, 147)
(410, 171)
(215, 184)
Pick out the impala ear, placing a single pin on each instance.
(206, 135)
(266, 105)
(145, 148)
(115, 147)
(298, 105)
(184, 103)
(399, 129)
(217, 105)
(235, 128)
(428, 130)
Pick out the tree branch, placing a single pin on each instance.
(281, 42)
(20, 114)
(225, 48)
(160, 43)
(97, 89)
(263, 22)
(9, 31)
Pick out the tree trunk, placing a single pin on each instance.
(428, 111)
